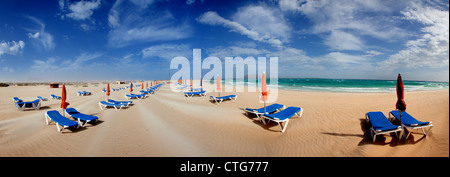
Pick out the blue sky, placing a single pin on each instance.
(107, 40)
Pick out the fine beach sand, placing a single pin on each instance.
(168, 124)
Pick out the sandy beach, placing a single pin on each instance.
(168, 124)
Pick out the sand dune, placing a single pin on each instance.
(169, 124)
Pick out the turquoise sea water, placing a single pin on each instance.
(350, 85)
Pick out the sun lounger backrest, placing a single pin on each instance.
(270, 108)
(61, 120)
(407, 119)
(380, 122)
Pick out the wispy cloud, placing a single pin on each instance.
(345, 24)
(53, 65)
(8, 69)
(258, 23)
(42, 37)
(167, 51)
(431, 49)
(132, 23)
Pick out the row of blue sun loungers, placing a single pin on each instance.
(63, 122)
(80, 119)
(382, 125)
(144, 93)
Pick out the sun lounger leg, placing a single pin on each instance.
(38, 106)
(261, 118)
(21, 108)
(429, 130)
(80, 124)
(46, 119)
(372, 134)
(401, 134)
(409, 134)
(285, 125)
(57, 127)
(300, 114)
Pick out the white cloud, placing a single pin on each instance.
(258, 23)
(143, 3)
(85, 27)
(81, 64)
(342, 58)
(235, 51)
(374, 53)
(340, 40)
(131, 24)
(43, 66)
(80, 10)
(11, 48)
(431, 49)
(167, 51)
(353, 18)
(43, 38)
(190, 2)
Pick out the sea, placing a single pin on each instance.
(347, 85)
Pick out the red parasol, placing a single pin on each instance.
(264, 88)
(264, 92)
(218, 85)
(142, 85)
(400, 105)
(131, 87)
(108, 90)
(64, 104)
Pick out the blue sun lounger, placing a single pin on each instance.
(60, 120)
(284, 116)
(381, 125)
(41, 98)
(269, 109)
(120, 102)
(410, 122)
(133, 96)
(219, 100)
(147, 92)
(191, 94)
(72, 112)
(36, 104)
(83, 93)
(117, 106)
(55, 97)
